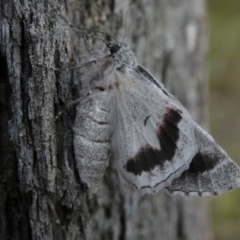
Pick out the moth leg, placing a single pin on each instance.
(71, 104)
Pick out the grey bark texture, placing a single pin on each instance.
(41, 193)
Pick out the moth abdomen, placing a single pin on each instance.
(91, 140)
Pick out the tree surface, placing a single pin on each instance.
(42, 196)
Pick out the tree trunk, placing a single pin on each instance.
(41, 193)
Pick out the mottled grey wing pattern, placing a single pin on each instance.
(92, 139)
(211, 171)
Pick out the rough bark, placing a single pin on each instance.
(41, 193)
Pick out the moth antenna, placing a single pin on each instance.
(72, 68)
(85, 29)
(125, 27)
(90, 30)
(93, 30)
(91, 36)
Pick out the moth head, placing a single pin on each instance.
(121, 54)
(114, 47)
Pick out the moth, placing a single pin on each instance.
(130, 118)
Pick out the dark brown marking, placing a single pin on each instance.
(100, 88)
(146, 119)
(147, 157)
(202, 163)
(116, 84)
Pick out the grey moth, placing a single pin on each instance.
(131, 118)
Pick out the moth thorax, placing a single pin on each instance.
(126, 56)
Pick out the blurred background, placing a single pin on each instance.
(224, 103)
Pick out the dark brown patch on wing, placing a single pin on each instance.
(147, 157)
(202, 163)
(168, 133)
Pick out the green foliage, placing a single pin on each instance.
(224, 75)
